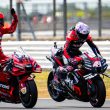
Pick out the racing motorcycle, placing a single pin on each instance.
(84, 83)
(18, 84)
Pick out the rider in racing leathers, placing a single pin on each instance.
(76, 37)
(7, 30)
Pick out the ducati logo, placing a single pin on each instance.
(23, 90)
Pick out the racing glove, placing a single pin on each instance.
(12, 11)
(75, 61)
(104, 65)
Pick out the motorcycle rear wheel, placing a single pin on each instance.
(29, 99)
(98, 99)
(55, 95)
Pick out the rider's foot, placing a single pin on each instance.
(56, 78)
(57, 84)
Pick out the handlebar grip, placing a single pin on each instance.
(48, 58)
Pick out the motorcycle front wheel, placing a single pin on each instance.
(55, 94)
(99, 96)
(29, 99)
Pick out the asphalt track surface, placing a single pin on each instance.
(48, 104)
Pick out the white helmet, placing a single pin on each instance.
(82, 30)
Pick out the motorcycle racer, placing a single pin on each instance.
(6, 30)
(76, 37)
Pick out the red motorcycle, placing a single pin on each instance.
(18, 85)
(83, 83)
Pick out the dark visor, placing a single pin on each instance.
(2, 21)
(82, 36)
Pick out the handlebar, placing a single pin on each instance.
(48, 58)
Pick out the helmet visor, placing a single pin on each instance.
(82, 36)
(2, 21)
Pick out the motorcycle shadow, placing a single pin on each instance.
(21, 108)
(54, 108)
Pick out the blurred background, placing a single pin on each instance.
(51, 19)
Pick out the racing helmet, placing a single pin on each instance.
(82, 30)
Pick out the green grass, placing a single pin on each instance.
(107, 85)
(41, 81)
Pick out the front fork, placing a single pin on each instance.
(90, 88)
(22, 83)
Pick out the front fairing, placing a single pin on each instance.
(20, 63)
(57, 56)
(23, 63)
(92, 64)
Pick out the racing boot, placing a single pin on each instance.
(62, 72)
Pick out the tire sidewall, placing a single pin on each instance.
(32, 94)
(100, 92)
(59, 97)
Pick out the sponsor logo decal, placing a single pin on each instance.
(4, 86)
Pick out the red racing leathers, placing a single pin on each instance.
(73, 43)
(71, 52)
(7, 30)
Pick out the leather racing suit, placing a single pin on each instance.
(7, 30)
(71, 51)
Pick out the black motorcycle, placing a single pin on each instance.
(83, 84)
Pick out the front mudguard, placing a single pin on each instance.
(91, 86)
(22, 83)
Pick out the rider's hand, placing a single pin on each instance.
(12, 11)
(73, 61)
(69, 68)
(104, 65)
